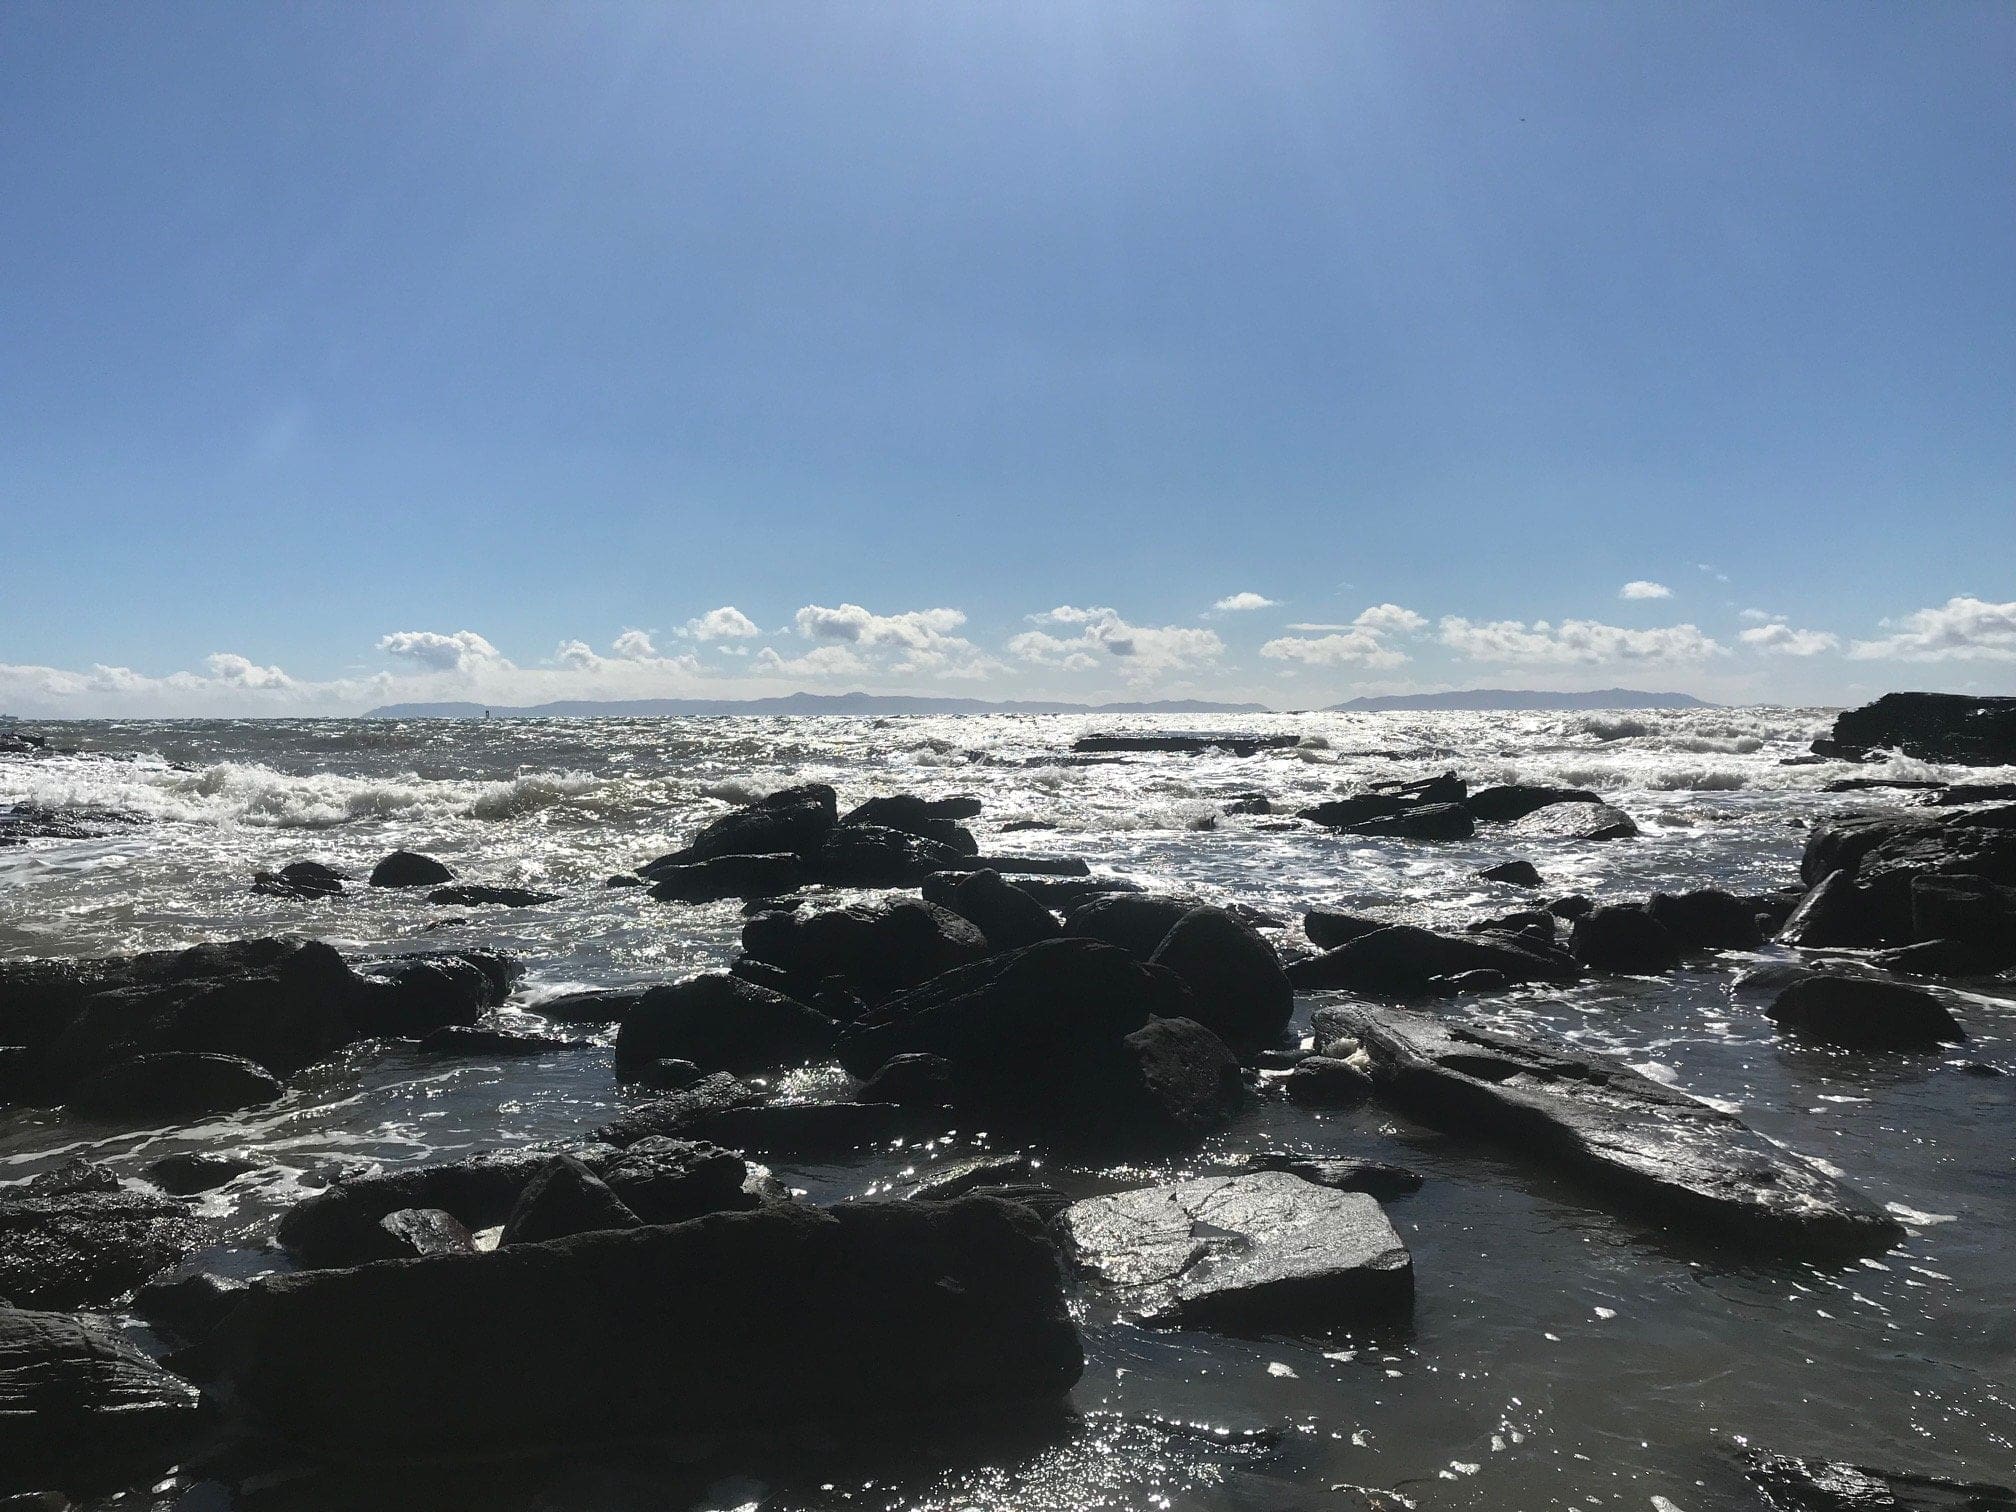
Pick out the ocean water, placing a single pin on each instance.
(1559, 1355)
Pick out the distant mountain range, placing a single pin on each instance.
(795, 703)
(1523, 698)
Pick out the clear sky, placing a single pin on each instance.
(352, 352)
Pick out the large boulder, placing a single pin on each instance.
(1178, 1081)
(873, 855)
(869, 1310)
(1692, 1167)
(1328, 928)
(1708, 919)
(1134, 922)
(1962, 728)
(75, 1395)
(174, 1084)
(1624, 938)
(410, 995)
(930, 819)
(1402, 960)
(1973, 842)
(1515, 800)
(66, 1246)
(1971, 910)
(1864, 1013)
(797, 820)
(875, 949)
(1007, 916)
(1574, 821)
(410, 869)
(1237, 987)
(1266, 1252)
(721, 877)
(1839, 912)
(721, 1022)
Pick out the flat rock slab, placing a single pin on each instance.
(1266, 1251)
(73, 1390)
(1574, 821)
(1695, 1167)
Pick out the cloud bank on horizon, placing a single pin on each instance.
(1084, 653)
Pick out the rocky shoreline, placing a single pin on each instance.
(1080, 1018)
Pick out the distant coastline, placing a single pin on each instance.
(1523, 698)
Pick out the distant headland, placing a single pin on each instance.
(1523, 698)
(793, 703)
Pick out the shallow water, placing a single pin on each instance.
(1559, 1355)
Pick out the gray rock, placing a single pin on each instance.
(1266, 1251)
(426, 1231)
(1574, 821)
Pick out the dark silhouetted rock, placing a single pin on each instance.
(864, 1310)
(1372, 1177)
(1972, 910)
(910, 1081)
(1341, 813)
(173, 1084)
(472, 895)
(678, 1111)
(958, 1178)
(1948, 958)
(1691, 1166)
(409, 869)
(1134, 922)
(1517, 873)
(669, 1074)
(1571, 906)
(721, 1022)
(1426, 821)
(1063, 894)
(1263, 1252)
(188, 1306)
(1327, 929)
(1575, 821)
(871, 855)
(1624, 938)
(303, 879)
(796, 819)
(1007, 916)
(460, 1039)
(607, 1005)
(409, 996)
(564, 1197)
(1838, 913)
(67, 1249)
(1025, 866)
(1237, 987)
(1515, 800)
(875, 949)
(75, 1395)
(919, 816)
(664, 1180)
(193, 1171)
(1707, 919)
(721, 877)
(1871, 847)
(1795, 1485)
(1325, 1081)
(1404, 961)
(426, 1231)
(1178, 1082)
(1862, 1013)
(1961, 728)
(1250, 803)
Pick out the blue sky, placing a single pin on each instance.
(355, 352)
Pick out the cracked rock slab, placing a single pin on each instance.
(1266, 1251)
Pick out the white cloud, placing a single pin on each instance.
(239, 672)
(1578, 641)
(1364, 642)
(1712, 570)
(922, 638)
(1780, 639)
(577, 654)
(1961, 629)
(1759, 616)
(725, 623)
(634, 645)
(1140, 652)
(820, 661)
(459, 652)
(1239, 602)
(1644, 588)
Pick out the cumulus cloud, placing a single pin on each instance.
(1585, 642)
(1961, 629)
(1364, 642)
(1140, 653)
(1780, 639)
(725, 623)
(634, 645)
(820, 662)
(241, 672)
(921, 638)
(1239, 602)
(459, 652)
(1644, 588)
(1759, 616)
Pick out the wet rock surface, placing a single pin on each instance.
(65, 1247)
(1811, 1485)
(74, 1393)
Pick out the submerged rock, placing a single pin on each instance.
(75, 1394)
(1184, 745)
(1809, 1485)
(867, 1310)
(1692, 1166)
(477, 895)
(1862, 1013)
(1267, 1251)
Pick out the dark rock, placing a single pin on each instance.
(796, 819)
(807, 1130)
(460, 1039)
(666, 1075)
(68, 1249)
(172, 1085)
(409, 996)
(1526, 923)
(1185, 745)
(1795, 1485)
(1180, 1082)
(1019, 826)
(921, 817)
(1626, 939)
(1342, 813)
(1403, 961)
(868, 1309)
(1134, 922)
(1692, 1166)
(721, 1022)
(1964, 729)
(623, 879)
(675, 1113)
(1837, 913)
(564, 1197)
(772, 905)
(910, 1081)
(958, 1178)
(303, 879)
(68, 1179)
(1007, 916)
(476, 896)
(871, 855)
(1328, 1082)
(1237, 987)
(1862, 1013)
(1427, 821)
(1575, 821)
(1250, 803)
(1472, 981)
(1064, 893)
(1947, 958)
(1266, 1251)
(1327, 929)
(1375, 1179)
(1023, 866)
(1972, 910)
(1515, 800)
(875, 949)
(194, 1171)
(188, 1306)
(1707, 919)
(1571, 906)
(1517, 873)
(74, 1395)
(409, 869)
(729, 877)
(1447, 788)
(1973, 842)
(1955, 793)
(607, 1005)
(665, 1180)
(426, 1231)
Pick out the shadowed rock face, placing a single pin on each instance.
(1691, 1165)
(1265, 1251)
(748, 1320)
(71, 1389)
(1953, 727)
